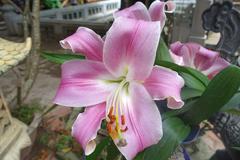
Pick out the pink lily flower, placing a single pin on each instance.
(195, 56)
(119, 83)
(156, 11)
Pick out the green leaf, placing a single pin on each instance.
(237, 148)
(219, 91)
(174, 132)
(190, 96)
(98, 149)
(61, 58)
(233, 104)
(233, 111)
(193, 78)
(162, 52)
(187, 106)
(192, 82)
(112, 151)
(189, 93)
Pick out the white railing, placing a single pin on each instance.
(83, 12)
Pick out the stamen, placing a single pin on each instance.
(116, 121)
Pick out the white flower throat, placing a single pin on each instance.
(116, 120)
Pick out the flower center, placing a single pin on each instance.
(116, 121)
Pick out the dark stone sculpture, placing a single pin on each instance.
(224, 18)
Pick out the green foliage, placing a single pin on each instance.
(61, 58)
(236, 148)
(193, 78)
(233, 106)
(187, 106)
(112, 151)
(174, 132)
(192, 82)
(64, 142)
(233, 111)
(219, 91)
(162, 52)
(44, 139)
(100, 147)
(52, 3)
(190, 93)
(26, 113)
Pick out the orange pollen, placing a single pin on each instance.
(109, 128)
(110, 112)
(112, 119)
(116, 128)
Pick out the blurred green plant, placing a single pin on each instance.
(52, 3)
(44, 139)
(64, 144)
(25, 113)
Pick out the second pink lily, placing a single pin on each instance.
(195, 56)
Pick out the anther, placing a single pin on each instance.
(123, 120)
(112, 119)
(110, 112)
(109, 128)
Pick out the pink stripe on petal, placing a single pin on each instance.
(130, 48)
(86, 126)
(143, 121)
(176, 59)
(186, 51)
(176, 47)
(137, 11)
(83, 83)
(85, 41)
(218, 65)
(164, 83)
(205, 58)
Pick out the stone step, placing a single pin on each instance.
(2, 23)
(3, 28)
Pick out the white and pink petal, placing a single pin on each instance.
(158, 8)
(218, 65)
(84, 83)
(130, 48)
(143, 121)
(86, 42)
(137, 11)
(86, 126)
(205, 58)
(164, 83)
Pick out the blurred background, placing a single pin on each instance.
(31, 127)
